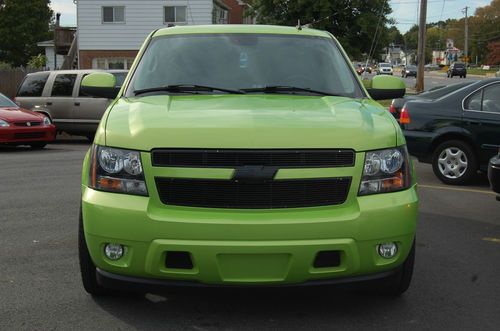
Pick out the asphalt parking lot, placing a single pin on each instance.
(456, 284)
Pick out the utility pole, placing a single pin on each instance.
(466, 43)
(421, 46)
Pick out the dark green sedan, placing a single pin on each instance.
(458, 133)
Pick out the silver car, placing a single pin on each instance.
(57, 94)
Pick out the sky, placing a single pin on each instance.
(404, 11)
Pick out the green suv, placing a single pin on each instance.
(246, 156)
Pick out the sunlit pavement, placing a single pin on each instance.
(456, 284)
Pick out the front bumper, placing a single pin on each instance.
(127, 283)
(494, 173)
(248, 247)
(26, 135)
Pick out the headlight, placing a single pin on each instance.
(386, 170)
(117, 170)
(3, 124)
(46, 121)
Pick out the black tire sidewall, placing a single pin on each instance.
(87, 267)
(471, 170)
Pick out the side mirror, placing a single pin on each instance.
(386, 87)
(100, 84)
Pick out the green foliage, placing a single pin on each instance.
(352, 22)
(22, 25)
(37, 61)
(4, 65)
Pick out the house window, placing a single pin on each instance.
(113, 14)
(175, 14)
(112, 63)
(220, 15)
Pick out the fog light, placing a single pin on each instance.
(113, 251)
(388, 250)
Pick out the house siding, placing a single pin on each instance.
(141, 17)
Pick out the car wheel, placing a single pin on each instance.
(87, 267)
(399, 282)
(38, 145)
(454, 162)
(465, 76)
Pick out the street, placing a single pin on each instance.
(456, 283)
(437, 78)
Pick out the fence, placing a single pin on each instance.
(11, 78)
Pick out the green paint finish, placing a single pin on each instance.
(240, 28)
(247, 246)
(384, 82)
(264, 121)
(99, 79)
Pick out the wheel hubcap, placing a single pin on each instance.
(452, 162)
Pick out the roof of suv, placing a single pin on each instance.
(85, 71)
(240, 28)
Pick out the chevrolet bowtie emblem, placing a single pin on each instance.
(254, 174)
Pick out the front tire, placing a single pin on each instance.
(87, 267)
(454, 162)
(399, 283)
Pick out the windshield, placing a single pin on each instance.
(245, 61)
(385, 65)
(411, 68)
(6, 102)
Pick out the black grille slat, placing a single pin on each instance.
(234, 158)
(266, 195)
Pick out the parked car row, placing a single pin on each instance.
(455, 128)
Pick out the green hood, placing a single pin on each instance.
(249, 121)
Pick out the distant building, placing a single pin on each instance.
(393, 55)
(110, 33)
(53, 62)
(446, 57)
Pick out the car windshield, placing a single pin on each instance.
(257, 63)
(384, 65)
(6, 102)
(411, 68)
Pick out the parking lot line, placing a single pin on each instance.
(456, 189)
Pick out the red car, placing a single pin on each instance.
(19, 126)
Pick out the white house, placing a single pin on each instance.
(53, 61)
(110, 32)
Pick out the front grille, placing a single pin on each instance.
(230, 158)
(267, 195)
(29, 135)
(26, 124)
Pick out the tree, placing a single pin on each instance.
(37, 61)
(394, 36)
(353, 22)
(22, 25)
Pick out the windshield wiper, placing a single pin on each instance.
(277, 89)
(186, 88)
